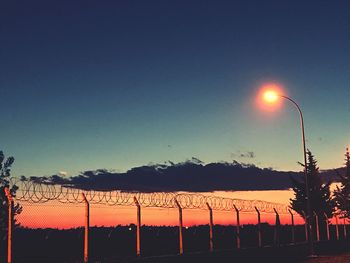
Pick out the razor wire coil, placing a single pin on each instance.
(34, 192)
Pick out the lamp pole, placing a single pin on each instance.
(308, 201)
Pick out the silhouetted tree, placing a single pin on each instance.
(342, 193)
(5, 169)
(320, 195)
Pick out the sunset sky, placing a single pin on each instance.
(118, 84)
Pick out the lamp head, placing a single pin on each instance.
(270, 96)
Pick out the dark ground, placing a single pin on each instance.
(117, 244)
(327, 252)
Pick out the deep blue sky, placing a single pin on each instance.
(117, 84)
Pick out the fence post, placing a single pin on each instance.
(180, 227)
(10, 224)
(293, 227)
(259, 226)
(327, 226)
(211, 244)
(336, 227)
(138, 227)
(317, 227)
(305, 227)
(277, 228)
(86, 230)
(344, 228)
(238, 225)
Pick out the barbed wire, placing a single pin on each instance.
(33, 192)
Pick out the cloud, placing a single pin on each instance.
(248, 155)
(239, 154)
(191, 175)
(63, 173)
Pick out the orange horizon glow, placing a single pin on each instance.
(63, 218)
(54, 214)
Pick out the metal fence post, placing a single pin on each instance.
(86, 230)
(10, 224)
(327, 226)
(180, 228)
(238, 225)
(293, 227)
(305, 226)
(259, 226)
(138, 227)
(277, 228)
(317, 227)
(336, 227)
(344, 222)
(211, 243)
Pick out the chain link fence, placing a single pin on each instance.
(61, 224)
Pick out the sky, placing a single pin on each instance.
(118, 84)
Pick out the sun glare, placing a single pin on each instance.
(270, 96)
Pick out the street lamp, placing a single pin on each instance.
(271, 96)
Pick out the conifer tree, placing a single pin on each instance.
(342, 192)
(320, 196)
